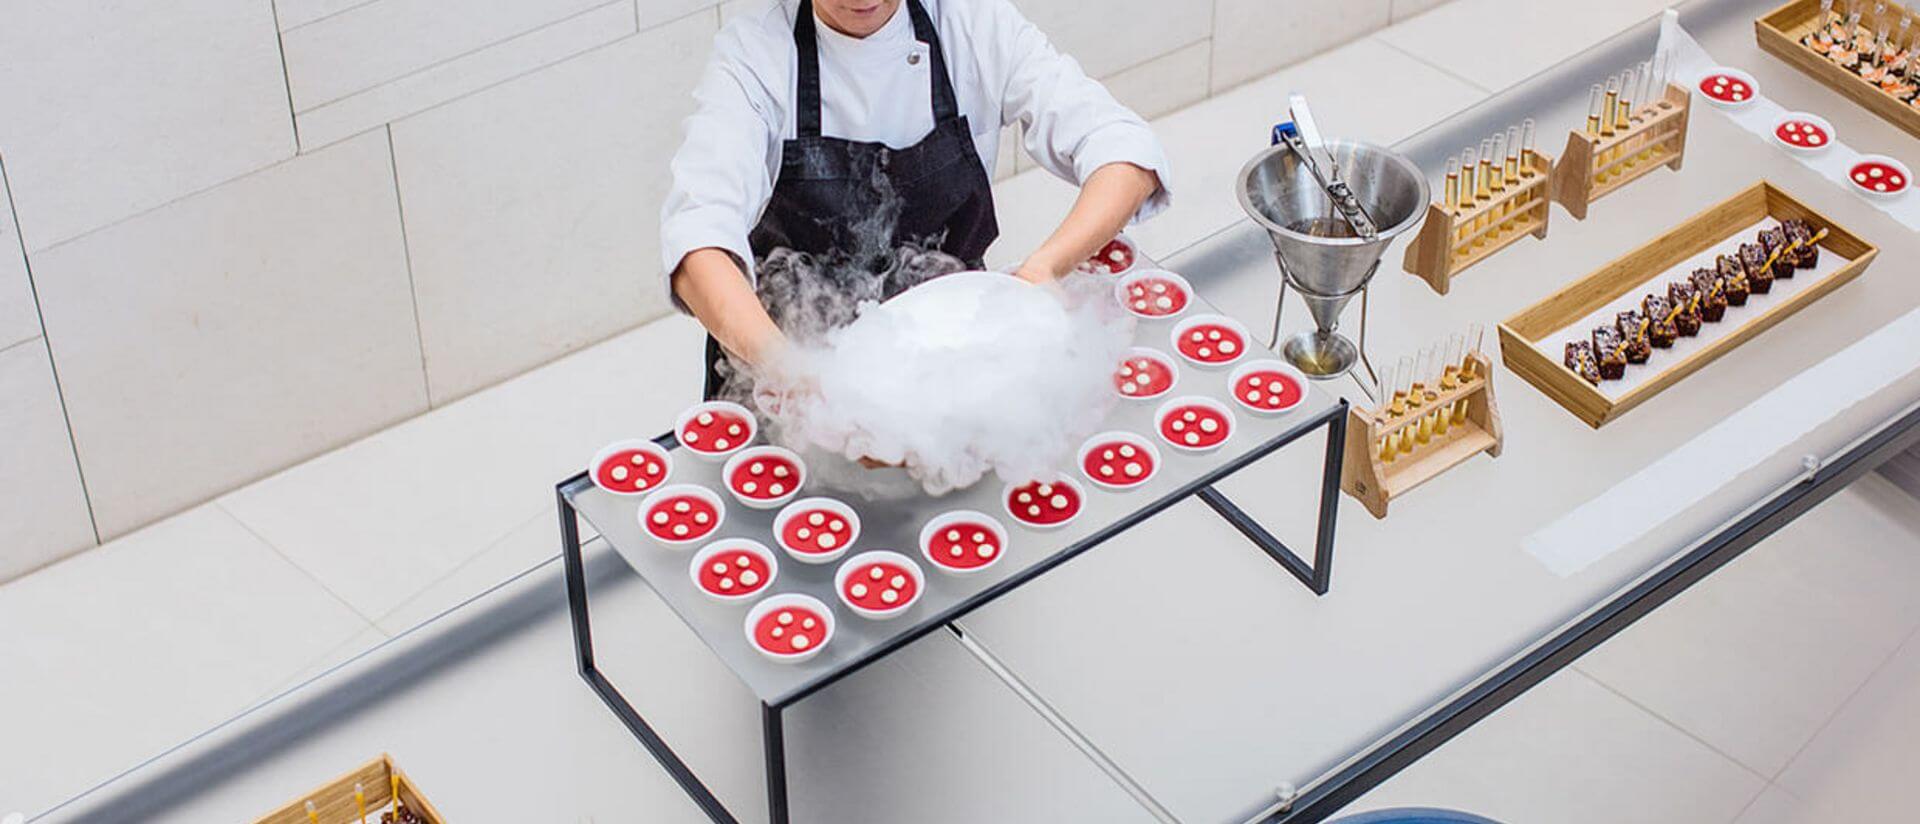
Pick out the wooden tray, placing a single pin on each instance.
(1520, 335)
(334, 803)
(1779, 32)
(1447, 245)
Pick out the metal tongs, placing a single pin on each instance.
(1303, 137)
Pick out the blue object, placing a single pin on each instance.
(1283, 130)
(1415, 815)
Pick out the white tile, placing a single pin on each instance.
(532, 207)
(371, 44)
(19, 318)
(479, 69)
(1569, 751)
(297, 13)
(528, 545)
(231, 333)
(115, 108)
(1254, 37)
(341, 653)
(1555, 31)
(1164, 83)
(43, 510)
(141, 643)
(1860, 766)
(1403, 9)
(1209, 142)
(1109, 35)
(433, 493)
(1791, 628)
(1777, 806)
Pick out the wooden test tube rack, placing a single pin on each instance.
(1594, 166)
(1374, 481)
(334, 801)
(1454, 238)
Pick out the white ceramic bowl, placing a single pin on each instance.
(703, 451)
(1266, 365)
(707, 553)
(1753, 87)
(1120, 292)
(1168, 408)
(837, 507)
(1007, 504)
(1134, 248)
(1804, 117)
(782, 601)
(1906, 177)
(661, 494)
(1145, 445)
(1186, 326)
(1138, 352)
(959, 516)
(746, 456)
(652, 450)
(861, 561)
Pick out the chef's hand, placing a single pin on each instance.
(1109, 198)
(870, 463)
(1041, 272)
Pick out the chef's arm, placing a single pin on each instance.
(713, 287)
(1109, 199)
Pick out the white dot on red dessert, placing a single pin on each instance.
(659, 517)
(733, 429)
(692, 437)
(749, 578)
(705, 419)
(651, 469)
(808, 624)
(681, 506)
(1227, 347)
(776, 489)
(801, 641)
(755, 468)
(1193, 438)
(1046, 489)
(639, 459)
(876, 573)
(1159, 287)
(1163, 302)
(1126, 371)
(1138, 292)
(953, 535)
(749, 487)
(780, 471)
(701, 517)
(858, 590)
(889, 596)
(1189, 415)
(1106, 470)
(827, 541)
(1140, 305)
(955, 552)
(1117, 256)
(1033, 510)
(680, 530)
(1023, 497)
(1134, 469)
(984, 550)
(1144, 363)
(1058, 501)
(720, 443)
(1126, 450)
(1126, 389)
(619, 473)
(778, 631)
(1213, 334)
(1253, 396)
(1273, 400)
(1206, 352)
(803, 533)
(979, 537)
(1106, 455)
(786, 618)
(726, 583)
(1209, 425)
(719, 567)
(1197, 336)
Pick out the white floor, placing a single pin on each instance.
(1695, 713)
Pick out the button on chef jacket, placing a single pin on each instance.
(877, 89)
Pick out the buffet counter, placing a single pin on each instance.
(1206, 677)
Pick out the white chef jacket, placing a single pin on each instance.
(877, 89)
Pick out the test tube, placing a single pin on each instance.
(1526, 144)
(1402, 440)
(1450, 377)
(1453, 183)
(1483, 187)
(1513, 153)
(1467, 183)
(1593, 111)
(360, 800)
(1610, 104)
(1427, 379)
(313, 815)
(1390, 396)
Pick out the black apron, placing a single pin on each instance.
(827, 185)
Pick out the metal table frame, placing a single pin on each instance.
(1316, 576)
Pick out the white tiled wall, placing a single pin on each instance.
(262, 228)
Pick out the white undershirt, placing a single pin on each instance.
(873, 90)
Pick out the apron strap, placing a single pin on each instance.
(807, 88)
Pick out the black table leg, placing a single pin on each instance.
(776, 745)
(576, 574)
(1318, 576)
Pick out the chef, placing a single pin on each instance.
(816, 115)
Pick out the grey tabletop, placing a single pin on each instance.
(896, 525)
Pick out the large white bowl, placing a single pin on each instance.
(1266, 365)
(1753, 86)
(1906, 175)
(782, 601)
(875, 556)
(1006, 502)
(1187, 325)
(1803, 117)
(1120, 292)
(1138, 352)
